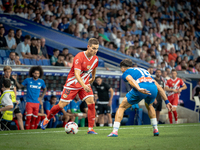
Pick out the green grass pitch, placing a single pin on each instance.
(172, 137)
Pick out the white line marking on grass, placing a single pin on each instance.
(160, 126)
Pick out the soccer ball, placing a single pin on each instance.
(71, 128)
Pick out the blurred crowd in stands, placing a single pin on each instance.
(164, 33)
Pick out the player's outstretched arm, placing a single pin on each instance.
(163, 95)
(134, 84)
(78, 77)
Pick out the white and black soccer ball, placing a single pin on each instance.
(71, 128)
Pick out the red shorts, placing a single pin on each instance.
(32, 109)
(173, 99)
(68, 95)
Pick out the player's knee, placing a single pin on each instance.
(173, 108)
(62, 104)
(89, 100)
(19, 115)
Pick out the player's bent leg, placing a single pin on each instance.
(91, 113)
(152, 116)
(54, 110)
(20, 121)
(118, 117)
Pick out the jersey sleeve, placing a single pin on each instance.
(125, 74)
(181, 82)
(25, 82)
(43, 84)
(77, 62)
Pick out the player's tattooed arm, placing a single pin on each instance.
(134, 84)
(78, 77)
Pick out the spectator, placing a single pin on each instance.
(191, 70)
(70, 62)
(11, 60)
(47, 21)
(60, 61)
(23, 48)
(138, 22)
(170, 44)
(64, 25)
(17, 61)
(55, 25)
(54, 58)
(105, 102)
(65, 51)
(18, 35)
(196, 90)
(38, 46)
(172, 55)
(3, 42)
(33, 47)
(10, 39)
(44, 48)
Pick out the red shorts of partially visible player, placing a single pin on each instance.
(32, 109)
(68, 95)
(173, 99)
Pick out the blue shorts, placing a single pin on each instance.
(134, 97)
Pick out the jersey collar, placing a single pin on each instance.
(87, 57)
(174, 79)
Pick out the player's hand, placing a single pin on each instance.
(155, 102)
(87, 88)
(91, 80)
(54, 119)
(175, 91)
(76, 115)
(144, 91)
(14, 77)
(169, 106)
(110, 103)
(40, 100)
(84, 115)
(179, 90)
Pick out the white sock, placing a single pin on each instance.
(90, 128)
(116, 126)
(154, 123)
(101, 125)
(47, 119)
(110, 124)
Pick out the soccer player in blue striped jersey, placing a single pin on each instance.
(144, 87)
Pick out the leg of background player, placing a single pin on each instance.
(109, 119)
(101, 120)
(91, 113)
(29, 111)
(152, 116)
(175, 114)
(20, 121)
(120, 113)
(157, 115)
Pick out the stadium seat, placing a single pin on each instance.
(1, 62)
(27, 61)
(7, 52)
(2, 53)
(39, 62)
(21, 60)
(33, 61)
(46, 62)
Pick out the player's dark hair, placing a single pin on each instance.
(53, 96)
(98, 77)
(126, 63)
(173, 70)
(93, 41)
(36, 68)
(6, 83)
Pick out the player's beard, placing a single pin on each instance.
(35, 77)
